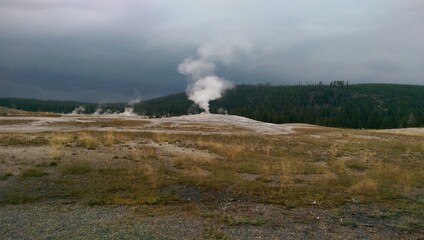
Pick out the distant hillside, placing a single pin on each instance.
(336, 105)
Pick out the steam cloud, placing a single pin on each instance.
(129, 110)
(136, 99)
(204, 85)
(78, 110)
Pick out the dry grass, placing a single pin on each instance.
(15, 121)
(88, 140)
(33, 173)
(293, 170)
(21, 139)
(88, 122)
(226, 179)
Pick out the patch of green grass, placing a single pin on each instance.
(33, 173)
(336, 213)
(47, 164)
(124, 186)
(310, 168)
(211, 233)
(76, 169)
(348, 222)
(234, 220)
(389, 214)
(6, 176)
(16, 197)
(95, 200)
(420, 199)
(409, 224)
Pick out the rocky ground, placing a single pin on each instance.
(76, 221)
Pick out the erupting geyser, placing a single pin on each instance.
(204, 85)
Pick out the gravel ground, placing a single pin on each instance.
(52, 221)
(75, 221)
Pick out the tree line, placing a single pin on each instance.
(336, 105)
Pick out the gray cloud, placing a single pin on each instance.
(101, 50)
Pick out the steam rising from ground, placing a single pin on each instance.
(204, 85)
(136, 99)
(78, 110)
(98, 111)
(129, 110)
(207, 89)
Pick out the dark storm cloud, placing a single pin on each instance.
(101, 50)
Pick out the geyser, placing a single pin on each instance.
(204, 86)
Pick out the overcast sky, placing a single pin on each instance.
(106, 50)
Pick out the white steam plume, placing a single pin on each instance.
(136, 99)
(98, 111)
(227, 51)
(207, 89)
(78, 110)
(196, 69)
(204, 85)
(129, 111)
